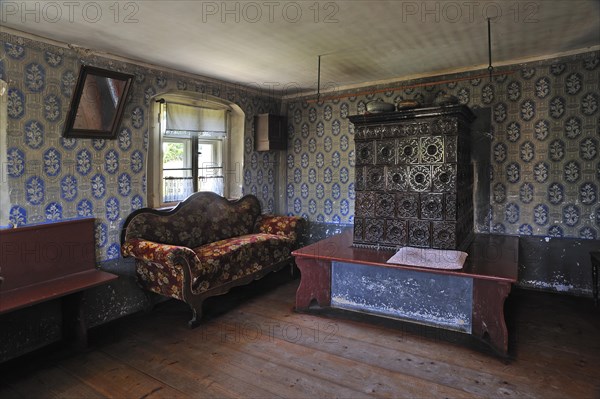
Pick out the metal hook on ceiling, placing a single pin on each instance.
(490, 67)
(319, 79)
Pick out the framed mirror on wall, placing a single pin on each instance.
(97, 104)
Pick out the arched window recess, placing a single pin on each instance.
(196, 148)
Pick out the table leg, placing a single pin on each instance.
(488, 312)
(315, 283)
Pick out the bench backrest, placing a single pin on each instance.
(39, 253)
(202, 218)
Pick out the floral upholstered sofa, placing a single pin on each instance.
(206, 245)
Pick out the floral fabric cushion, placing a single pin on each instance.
(287, 226)
(226, 260)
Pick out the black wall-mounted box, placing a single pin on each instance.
(270, 132)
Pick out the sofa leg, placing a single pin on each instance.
(196, 316)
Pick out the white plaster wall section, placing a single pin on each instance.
(4, 193)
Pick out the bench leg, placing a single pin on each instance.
(488, 312)
(595, 258)
(74, 327)
(315, 283)
(595, 282)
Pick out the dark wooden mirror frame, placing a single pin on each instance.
(97, 104)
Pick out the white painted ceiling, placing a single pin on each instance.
(276, 44)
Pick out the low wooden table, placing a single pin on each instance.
(334, 274)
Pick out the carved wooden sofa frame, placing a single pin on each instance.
(207, 245)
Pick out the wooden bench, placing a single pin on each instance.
(470, 300)
(50, 261)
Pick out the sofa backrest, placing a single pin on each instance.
(202, 218)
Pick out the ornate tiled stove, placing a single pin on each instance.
(414, 180)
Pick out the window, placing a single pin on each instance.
(210, 166)
(192, 150)
(196, 143)
(177, 169)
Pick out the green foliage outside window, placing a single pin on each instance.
(173, 152)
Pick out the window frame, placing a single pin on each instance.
(232, 146)
(192, 150)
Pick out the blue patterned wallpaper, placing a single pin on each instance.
(545, 172)
(51, 178)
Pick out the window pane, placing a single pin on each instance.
(177, 174)
(206, 154)
(173, 154)
(177, 188)
(214, 184)
(210, 171)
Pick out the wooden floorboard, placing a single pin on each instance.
(424, 369)
(481, 374)
(52, 382)
(200, 372)
(260, 344)
(238, 370)
(112, 378)
(253, 345)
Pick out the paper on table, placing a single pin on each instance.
(427, 257)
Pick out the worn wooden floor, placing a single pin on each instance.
(261, 348)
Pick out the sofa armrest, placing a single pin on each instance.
(156, 252)
(162, 268)
(288, 226)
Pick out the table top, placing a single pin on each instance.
(490, 256)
